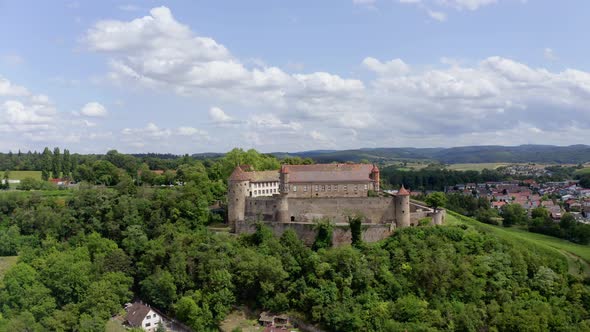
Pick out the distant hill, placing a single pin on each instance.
(572, 154)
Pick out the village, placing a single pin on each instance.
(556, 197)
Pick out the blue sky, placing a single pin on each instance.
(195, 76)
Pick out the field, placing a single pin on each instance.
(577, 256)
(19, 175)
(475, 167)
(583, 171)
(6, 262)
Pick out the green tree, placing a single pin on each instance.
(66, 164)
(513, 214)
(436, 200)
(324, 228)
(159, 289)
(56, 163)
(46, 163)
(540, 212)
(23, 290)
(356, 232)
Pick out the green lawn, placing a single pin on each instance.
(475, 167)
(6, 262)
(19, 175)
(577, 256)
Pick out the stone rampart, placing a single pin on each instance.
(307, 233)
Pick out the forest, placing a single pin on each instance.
(84, 253)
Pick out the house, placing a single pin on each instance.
(498, 205)
(143, 316)
(269, 320)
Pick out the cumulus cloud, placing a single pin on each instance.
(27, 120)
(219, 116)
(391, 67)
(157, 51)
(155, 138)
(94, 109)
(9, 89)
(449, 103)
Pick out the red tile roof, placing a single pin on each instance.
(328, 173)
(239, 175)
(402, 191)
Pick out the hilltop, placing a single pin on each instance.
(572, 154)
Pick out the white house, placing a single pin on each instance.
(143, 316)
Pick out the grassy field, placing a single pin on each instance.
(577, 256)
(6, 262)
(583, 171)
(19, 175)
(475, 167)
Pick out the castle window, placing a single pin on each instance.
(356, 187)
(305, 188)
(345, 187)
(329, 188)
(335, 187)
(292, 218)
(323, 187)
(294, 188)
(317, 187)
(366, 187)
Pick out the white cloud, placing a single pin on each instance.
(439, 16)
(9, 89)
(219, 116)
(28, 120)
(448, 103)
(94, 109)
(156, 51)
(467, 4)
(271, 121)
(392, 67)
(190, 131)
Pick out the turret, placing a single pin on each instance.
(284, 180)
(375, 177)
(238, 190)
(402, 207)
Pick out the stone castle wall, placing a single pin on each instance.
(376, 210)
(307, 233)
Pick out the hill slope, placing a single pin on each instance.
(577, 256)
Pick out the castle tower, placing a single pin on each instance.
(284, 180)
(375, 177)
(283, 208)
(238, 190)
(402, 207)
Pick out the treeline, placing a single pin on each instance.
(435, 178)
(81, 258)
(115, 168)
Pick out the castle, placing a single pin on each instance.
(298, 195)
